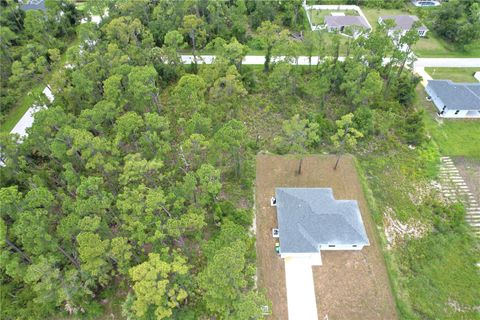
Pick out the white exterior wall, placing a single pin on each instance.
(462, 114)
(435, 99)
(450, 113)
(341, 247)
(477, 75)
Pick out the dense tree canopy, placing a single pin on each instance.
(134, 187)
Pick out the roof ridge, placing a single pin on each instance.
(473, 92)
(304, 232)
(307, 234)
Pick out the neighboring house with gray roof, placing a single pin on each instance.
(455, 100)
(311, 220)
(403, 24)
(340, 23)
(32, 5)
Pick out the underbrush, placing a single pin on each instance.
(433, 276)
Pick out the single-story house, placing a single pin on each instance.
(455, 100)
(311, 220)
(339, 23)
(32, 5)
(403, 24)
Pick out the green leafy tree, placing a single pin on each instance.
(270, 35)
(230, 143)
(156, 290)
(194, 27)
(142, 88)
(189, 95)
(346, 137)
(94, 255)
(297, 135)
(223, 279)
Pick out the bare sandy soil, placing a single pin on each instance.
(350, 284)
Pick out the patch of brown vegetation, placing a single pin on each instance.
(350, 284)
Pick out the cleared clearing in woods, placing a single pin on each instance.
(350, 284)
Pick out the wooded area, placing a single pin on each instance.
(134, 188)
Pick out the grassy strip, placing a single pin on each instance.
(431, 274)
(454, 74)
(27, 100)
(433, 47)
(17, 112)
(392, 267)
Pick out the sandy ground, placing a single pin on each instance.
(350, 284)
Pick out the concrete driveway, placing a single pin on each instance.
(302, 304)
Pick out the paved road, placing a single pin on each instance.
(303, 60)
(448, 62)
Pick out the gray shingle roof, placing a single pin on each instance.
(32, 5)
(404, 22)
(457, 96)
(345, 21)
(311, 218)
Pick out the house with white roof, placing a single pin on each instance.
(455, 100)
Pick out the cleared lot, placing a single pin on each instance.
(350, 284)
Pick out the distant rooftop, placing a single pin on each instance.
(345, 21)
(32, 4)
(404, 22)
(457, 96)
(311, 218)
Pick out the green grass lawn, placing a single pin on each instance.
(434, 47)
(318, 16)
(454, 74)
(454, 137)
(430, 46)
(19, 110)
(372, 14)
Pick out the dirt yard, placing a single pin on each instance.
(350, 284)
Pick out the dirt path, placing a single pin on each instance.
(350, 284)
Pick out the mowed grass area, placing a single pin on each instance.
(27, 100)
(454, 74)
(17, 112)
(433, 47)
(372, 14)
(454, 137)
